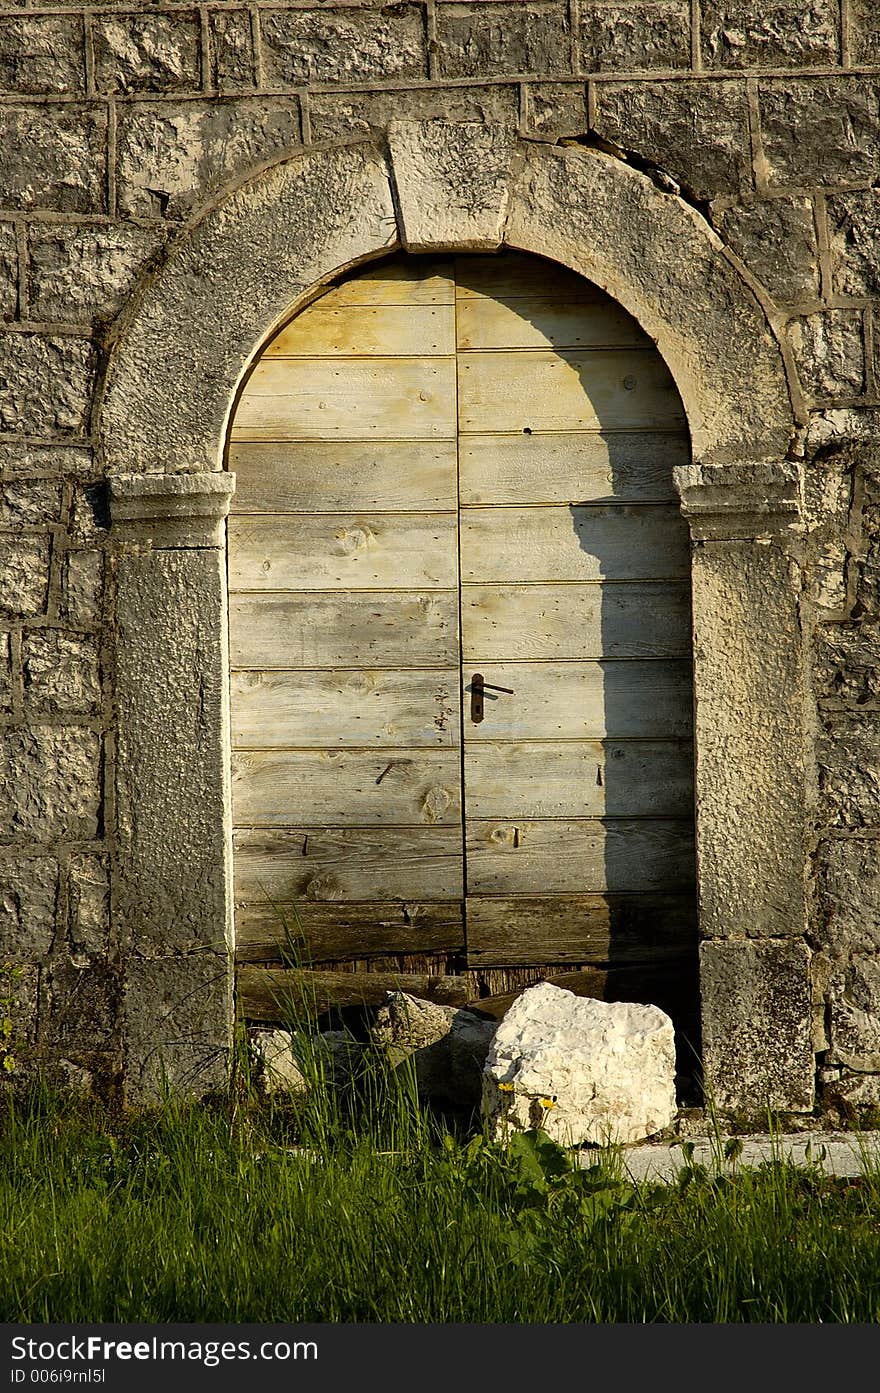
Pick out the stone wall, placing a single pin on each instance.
(119, 124)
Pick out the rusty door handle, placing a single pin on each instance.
(478, 686)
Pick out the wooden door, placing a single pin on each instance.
(447, 469)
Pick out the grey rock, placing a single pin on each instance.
(776, 239)
(50, 782)
(819, 130)
(697, 132)
(147, 52)
(497, 40)
(54, 157)
(829, 350)
(335, 115)
(61, 673)
(24, 575)
(756, 1005)
(343, 45)
(78, 274)
(448, 1047)
(82, 587)
(46, 383)
(42, 53)
(849, 770)
(778, 34)
(30, 503)
(171, 156)
(28, 893)
(633, 36)
(230, 50)
(8, 271)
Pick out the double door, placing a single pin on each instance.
(459, 625)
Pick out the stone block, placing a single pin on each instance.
(20, 984)
(46, 383)
(61, 673)
(335, 115)
(751, 777)
(50, 783)
(81, 1007)
(343, 45)
(30, 503)
(230, 50)
(819, 130)
(500, 40)
(696, 131)
(776, 34)
(80, 274)
(89, 513)
(756, 1009)
(8, 271)
(558, 109)
(178, 1025)
(171, 157)
(21, 459)
(847, 662)
(864, 38)
(829, 350)
(639, 34)
(582, 1070)
(24, 575)
(834, 529)
(854, 234)
(453, 183)
(88, 903)
(172, 760)
(28, 892)
(5, 672)
(42, 53)
(849, 770)
(447, 1047)
(147, 52)
(848, 882)
(854, 1008)
(289, 1064)
(54, 157)
(776, 238)
(82, 587)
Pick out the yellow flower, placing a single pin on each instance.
(506, 1087)
(547, 1102)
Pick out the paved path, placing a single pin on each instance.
(836, 1153)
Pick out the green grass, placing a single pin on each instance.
(216, 1213)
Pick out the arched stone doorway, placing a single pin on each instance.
(180, 356)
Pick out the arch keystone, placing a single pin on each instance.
(453, 183)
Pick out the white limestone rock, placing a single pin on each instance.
(583, 1070)
(448, 1046)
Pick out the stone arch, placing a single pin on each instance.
(183, 347)
(178, 357)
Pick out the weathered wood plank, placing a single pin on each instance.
(603, 542)
(571, 466)
(313, 629)
(346, 788)
(358, 399)
(527, 857)
(623, 699)
(670, 985)
(575, 779)
(398, 281)
(328, 551)
(580, 928)
(274, 994)
(307, 932)
(321, 476)
(384, 331)
(532, 390)
(272, 710)
(563, 622)
(318, 864)
(538, 321)
(518, 275)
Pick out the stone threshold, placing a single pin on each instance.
(834, 1153)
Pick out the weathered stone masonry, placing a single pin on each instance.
(122, 127)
